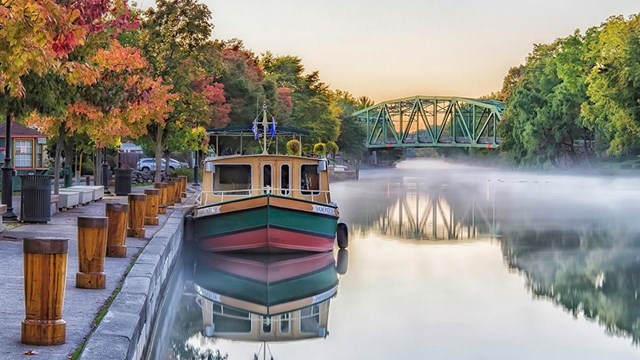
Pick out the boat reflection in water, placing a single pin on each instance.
(267, 298)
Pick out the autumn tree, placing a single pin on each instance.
(175, 39)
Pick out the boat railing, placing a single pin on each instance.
(205, 197)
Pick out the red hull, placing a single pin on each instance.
(259, 269)
(269, 239)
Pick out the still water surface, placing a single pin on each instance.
(445, 262)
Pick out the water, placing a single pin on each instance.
(445, 262)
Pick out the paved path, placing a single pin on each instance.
(80, 305)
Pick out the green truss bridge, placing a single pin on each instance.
(432, 121)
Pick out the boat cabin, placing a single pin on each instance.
(234, 177)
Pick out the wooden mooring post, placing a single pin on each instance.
(183, 186)
(117, 232)
(162, 202)
(137, 210)
(171, 193)
(92, 249)
(177, 191)
(45, 275)
(151, 213)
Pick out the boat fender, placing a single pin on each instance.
(342, 234)
(188, 229)
(342, 264)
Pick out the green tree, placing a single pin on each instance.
(542, 122)
(613, 108)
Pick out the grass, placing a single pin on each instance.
(105, 308)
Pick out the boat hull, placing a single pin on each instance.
(266, 223)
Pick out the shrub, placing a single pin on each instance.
(293, 147)
(188, 173)
(332, 147)
(320, 149)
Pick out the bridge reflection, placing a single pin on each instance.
(419, 210)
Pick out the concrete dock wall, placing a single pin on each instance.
(125, 330)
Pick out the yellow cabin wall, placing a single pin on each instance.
(257, 162)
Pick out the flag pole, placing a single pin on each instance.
(265, 126)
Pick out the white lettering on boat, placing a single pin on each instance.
(324, 210)
(209, 211)
(324, 296)
(208, 294)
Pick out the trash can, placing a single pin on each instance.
(68, 176)
(35, 198)
(123, 181)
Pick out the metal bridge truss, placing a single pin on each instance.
(432, 122)
(433, 218)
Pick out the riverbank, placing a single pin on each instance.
(81, 307)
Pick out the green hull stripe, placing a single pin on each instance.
(296, 221)
(268, 294)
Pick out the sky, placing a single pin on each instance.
(395, 49)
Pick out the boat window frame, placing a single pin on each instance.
(285, 191)
(266, 321)
(263, 187)
(314, 312)
(224, 314)
(248, 191)
(310, 192)
(285, 321)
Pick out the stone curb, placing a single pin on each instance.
(124, 331)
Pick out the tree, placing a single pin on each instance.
(174, 38)
(613, 85)
(542, 122)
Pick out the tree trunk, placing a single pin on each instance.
(158, 153)
(56, 166)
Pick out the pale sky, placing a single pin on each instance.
(394, 49)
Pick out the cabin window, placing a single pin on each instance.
(266, 178)
(24, 153)
(285, 323)
(310, 319)
(229, 320)
(232, 179)
(309, 180)
(285, 179)
(266, 324)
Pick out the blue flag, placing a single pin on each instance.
(272, 129)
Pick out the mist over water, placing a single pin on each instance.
(450, 261)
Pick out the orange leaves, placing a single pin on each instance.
(78, 73)
(34, 36)
(119, 58)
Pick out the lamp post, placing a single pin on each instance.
(105, 170)
(7, 173)
(196, 167)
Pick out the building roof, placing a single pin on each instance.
(21, 130)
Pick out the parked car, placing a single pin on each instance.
(149, 164)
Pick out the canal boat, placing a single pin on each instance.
(266, 203)
(260, 298)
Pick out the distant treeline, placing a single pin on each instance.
(576, 99)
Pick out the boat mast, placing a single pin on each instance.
(265, 127)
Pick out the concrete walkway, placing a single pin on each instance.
(80, 306)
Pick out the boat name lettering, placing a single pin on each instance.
(324, 210)
(209, 211)
(324, 296)
(208, 294)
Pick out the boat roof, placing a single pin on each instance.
(245, 130)
(256, 156)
